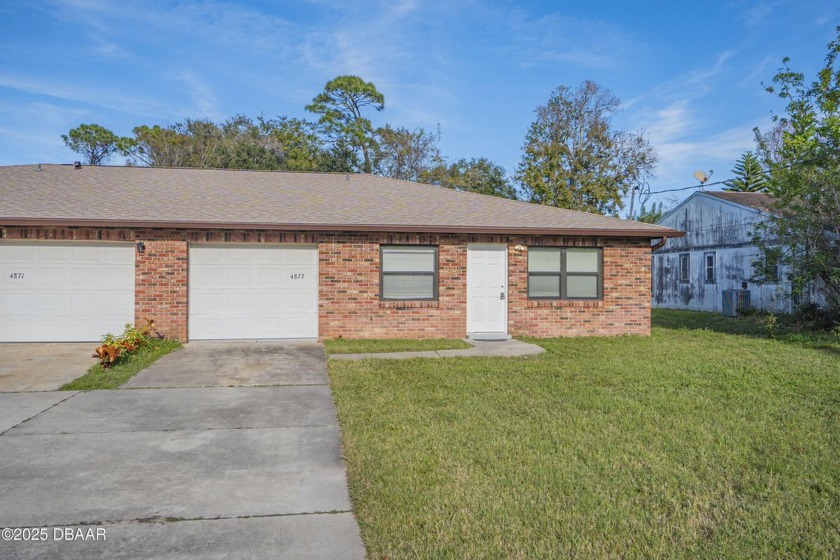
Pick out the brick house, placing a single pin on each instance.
(221, 254)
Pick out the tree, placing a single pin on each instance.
(340, 106)
(651, 216)
(406, 154)
(479, 175)
(92, 141)
(295, 144)
(804, 238)
(749, 175)
(156, 146)
(573, 159)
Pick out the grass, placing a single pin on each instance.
(342, 346)
(122, 371)
(706, 440)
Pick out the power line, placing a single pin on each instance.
(701, 185)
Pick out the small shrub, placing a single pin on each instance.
(814, 317)
(112, 348)
(770, 324)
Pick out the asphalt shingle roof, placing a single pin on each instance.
(209, 198)
(758, 201)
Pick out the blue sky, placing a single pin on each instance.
(689, 74)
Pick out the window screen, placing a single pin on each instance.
(408, 272)
(564, 273)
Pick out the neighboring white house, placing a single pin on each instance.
(716, 254)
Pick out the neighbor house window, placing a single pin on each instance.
(564, 273)
(685, 260)
(709, 260)
(408, 272)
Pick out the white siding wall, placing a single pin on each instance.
(712, 225)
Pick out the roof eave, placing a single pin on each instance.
(600, 232)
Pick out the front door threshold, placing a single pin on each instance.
(489, 336)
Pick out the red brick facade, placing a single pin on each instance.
(349, 304)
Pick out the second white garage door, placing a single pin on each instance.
(253, 291)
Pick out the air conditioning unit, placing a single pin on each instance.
(735, 301)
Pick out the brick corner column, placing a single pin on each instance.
(160, 287)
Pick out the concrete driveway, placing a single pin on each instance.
(42, 366)
(188, 472)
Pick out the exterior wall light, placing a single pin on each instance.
(141, 247)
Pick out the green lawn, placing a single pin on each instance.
(122, 371)
(342, 346)
(695, 442)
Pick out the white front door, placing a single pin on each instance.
(253, 291)
(486, 288)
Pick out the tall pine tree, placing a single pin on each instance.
(749, 176)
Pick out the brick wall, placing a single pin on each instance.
(160, 284)
(349, 304)
(349, 290)
(624, 308)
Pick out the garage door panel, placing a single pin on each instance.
(270, 277)
(273, 303)
(240, 276)
(298, 325)
(49, 277)
(117, 277)
(246, 292)
(302, 301)
(87, 276)
(301, 255)
(19, 252)
(69, 291)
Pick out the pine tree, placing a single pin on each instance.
(749, 176)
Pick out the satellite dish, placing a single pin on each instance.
(701, 176)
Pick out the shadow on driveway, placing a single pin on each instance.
(237, 364)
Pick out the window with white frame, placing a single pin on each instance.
(685, 263)
(408, 272)
(564, 273)
(710, 269)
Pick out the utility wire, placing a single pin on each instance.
(701, 185)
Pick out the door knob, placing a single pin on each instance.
(502, 295)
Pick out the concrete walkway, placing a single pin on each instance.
(489, 349)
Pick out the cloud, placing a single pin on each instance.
(203, 98)
(94, 96)
(556, 37)
(758, 13)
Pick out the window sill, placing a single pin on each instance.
(562, 303)
(408, 304)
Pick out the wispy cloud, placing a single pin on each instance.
(557, 37)
(757, 13)
(95, 96)
(204, 100)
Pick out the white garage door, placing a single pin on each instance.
(65, 292)
(253, 291)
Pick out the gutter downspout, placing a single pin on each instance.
(659, 244)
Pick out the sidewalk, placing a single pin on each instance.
(494, 349)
